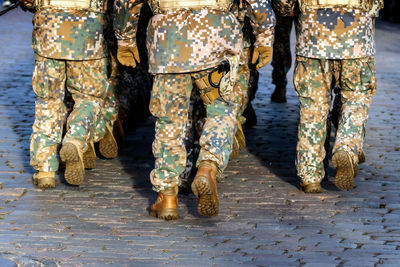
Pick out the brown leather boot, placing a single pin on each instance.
(239, 141)
(205, 188)
(89, 157)
(165, 206)
(44, 180)
(311, 188)
(108, 146)
(71, 154)
(361, 157)
(346, 170)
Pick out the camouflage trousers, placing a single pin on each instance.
(281, 58)
(87, 82)
(193, 129)
(109, 111)
(356, 79)
(170, 103)
(197, 114)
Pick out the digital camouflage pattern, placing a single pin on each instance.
(338, 33)
(109, 111)
(191, 40)
(169, 103)
(88, 84)
(282, 57)
(331, 33)
(69, 34)
(312, 80)
(242, 85)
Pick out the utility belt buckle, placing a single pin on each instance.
(214, 78)
(212, 82)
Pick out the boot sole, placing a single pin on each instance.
(208, 201)
(74, 173)
(166, 214)
(344, 178)
(108, 147)
(88, 160)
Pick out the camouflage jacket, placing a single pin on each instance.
(331, 33)
(244, 10)
(189, 40)
(69, 34)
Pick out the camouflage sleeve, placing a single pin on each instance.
(262, 19)
(126, 20)
(284, 8)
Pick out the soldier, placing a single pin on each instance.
(191, 42)
(335, 40)
(282, 58)
(70, 53)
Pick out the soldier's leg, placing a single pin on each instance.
(358, 86)
(216, 144)
(282, 58)
(104, 130)
(108, 146)
(196, 115)
(242, 86)
(249, 113)
(169, 104)
(241, 89)
(312, 81)
(88, 83)
(48, 82)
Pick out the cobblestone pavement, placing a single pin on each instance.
(264, 219)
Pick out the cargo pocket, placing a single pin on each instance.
(368, 74)
(299, 76)
(155, 101)
(47, 78)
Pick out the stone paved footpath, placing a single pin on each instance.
(264, 219)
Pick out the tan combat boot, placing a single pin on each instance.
(239, 141)
(166, 204)
(89, 157)
(108, 146)
(44, 180)
(71, 154)
(361, 157)
(205, 188)
(311, 187)
(346, 170)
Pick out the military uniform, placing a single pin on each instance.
(335, 40)
(197, 112)
(70, 53)
(186, 44)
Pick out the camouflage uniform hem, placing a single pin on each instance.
(45, 168)
(161, 187)
(127, 42)
(265, 39)
(187, 70)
